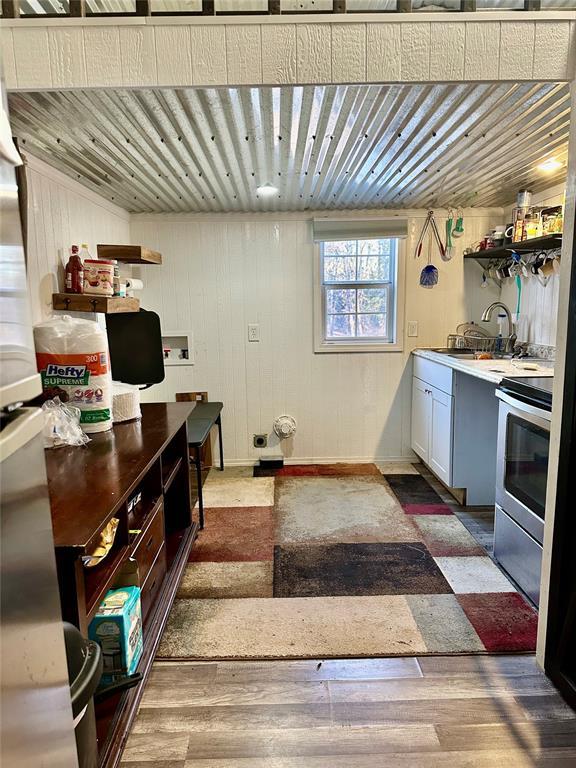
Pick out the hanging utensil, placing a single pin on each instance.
(429, 275)
(519, 290)
(429, 223)
(439, 242)
(448, 250)
(458, 230)
(425, 226)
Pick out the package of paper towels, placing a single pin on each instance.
(74, 363)
(125, 402)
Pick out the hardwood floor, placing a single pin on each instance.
(455, 712)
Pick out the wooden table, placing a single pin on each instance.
(200, 422)
(137, 473)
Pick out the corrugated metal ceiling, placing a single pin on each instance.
(324, 147)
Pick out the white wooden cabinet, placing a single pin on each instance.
(432, 427)
(441, 425)
(454, 428)
(421, 419)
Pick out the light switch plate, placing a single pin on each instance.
(412, 327)
(253, 332)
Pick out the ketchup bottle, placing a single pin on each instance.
(74, 272)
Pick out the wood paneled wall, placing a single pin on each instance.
(222, 272)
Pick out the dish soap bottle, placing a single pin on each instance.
(499, 345)
(74, 272)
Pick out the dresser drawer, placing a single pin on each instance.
(440, 376)
(153, 583)
(149, 543)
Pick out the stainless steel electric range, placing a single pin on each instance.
(521, 475)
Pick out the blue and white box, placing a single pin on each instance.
(117, 628)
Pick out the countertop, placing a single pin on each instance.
(488, 370)
(88, 484)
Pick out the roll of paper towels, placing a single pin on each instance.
(133, 284)
(126, 402)
(74, 363)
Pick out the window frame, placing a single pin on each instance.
(365, 344)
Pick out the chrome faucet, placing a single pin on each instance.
(487, 314)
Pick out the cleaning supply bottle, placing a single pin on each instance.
(499, 345)
(85, 253)
(74, 272)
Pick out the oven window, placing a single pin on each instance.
(526, 469)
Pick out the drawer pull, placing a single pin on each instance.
(150, 540)
(152, 585)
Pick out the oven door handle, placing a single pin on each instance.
(521, 406)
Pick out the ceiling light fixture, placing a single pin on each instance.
(550, 165)
(266, 190)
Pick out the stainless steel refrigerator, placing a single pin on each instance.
(36, 715)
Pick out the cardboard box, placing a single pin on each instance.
(117, 628)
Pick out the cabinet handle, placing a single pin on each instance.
(150, 540)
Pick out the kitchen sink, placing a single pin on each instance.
(465, 354)
(454, 351)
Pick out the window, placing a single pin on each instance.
(358, 295)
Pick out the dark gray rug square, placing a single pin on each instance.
(356, 569)
(413, 489)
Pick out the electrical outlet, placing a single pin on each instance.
(253, 332)
(412, 327)
(260, 441)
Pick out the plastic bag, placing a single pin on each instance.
(62, 425)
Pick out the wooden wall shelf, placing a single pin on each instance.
(129, 254)
(85, 302)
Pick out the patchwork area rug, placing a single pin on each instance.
(340, 560)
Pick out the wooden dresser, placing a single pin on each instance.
(137, 473)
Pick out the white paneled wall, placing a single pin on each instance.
(222, 272)
(538, 303)
(52, 53)
(60, 213)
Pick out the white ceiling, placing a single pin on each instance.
(324, 147)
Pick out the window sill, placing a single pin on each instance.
(338, 346)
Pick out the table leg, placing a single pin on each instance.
(219, 422)
(198, 463)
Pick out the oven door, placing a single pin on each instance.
(522, 463)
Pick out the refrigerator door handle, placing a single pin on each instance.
(19, 432)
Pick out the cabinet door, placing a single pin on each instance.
(441, 420)
(421, 413)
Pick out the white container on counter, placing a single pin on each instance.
(74, 363)
(99, 277)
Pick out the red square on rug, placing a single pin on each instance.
(427, 509)
(328, 470)
(235, 534)
(504, 621)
